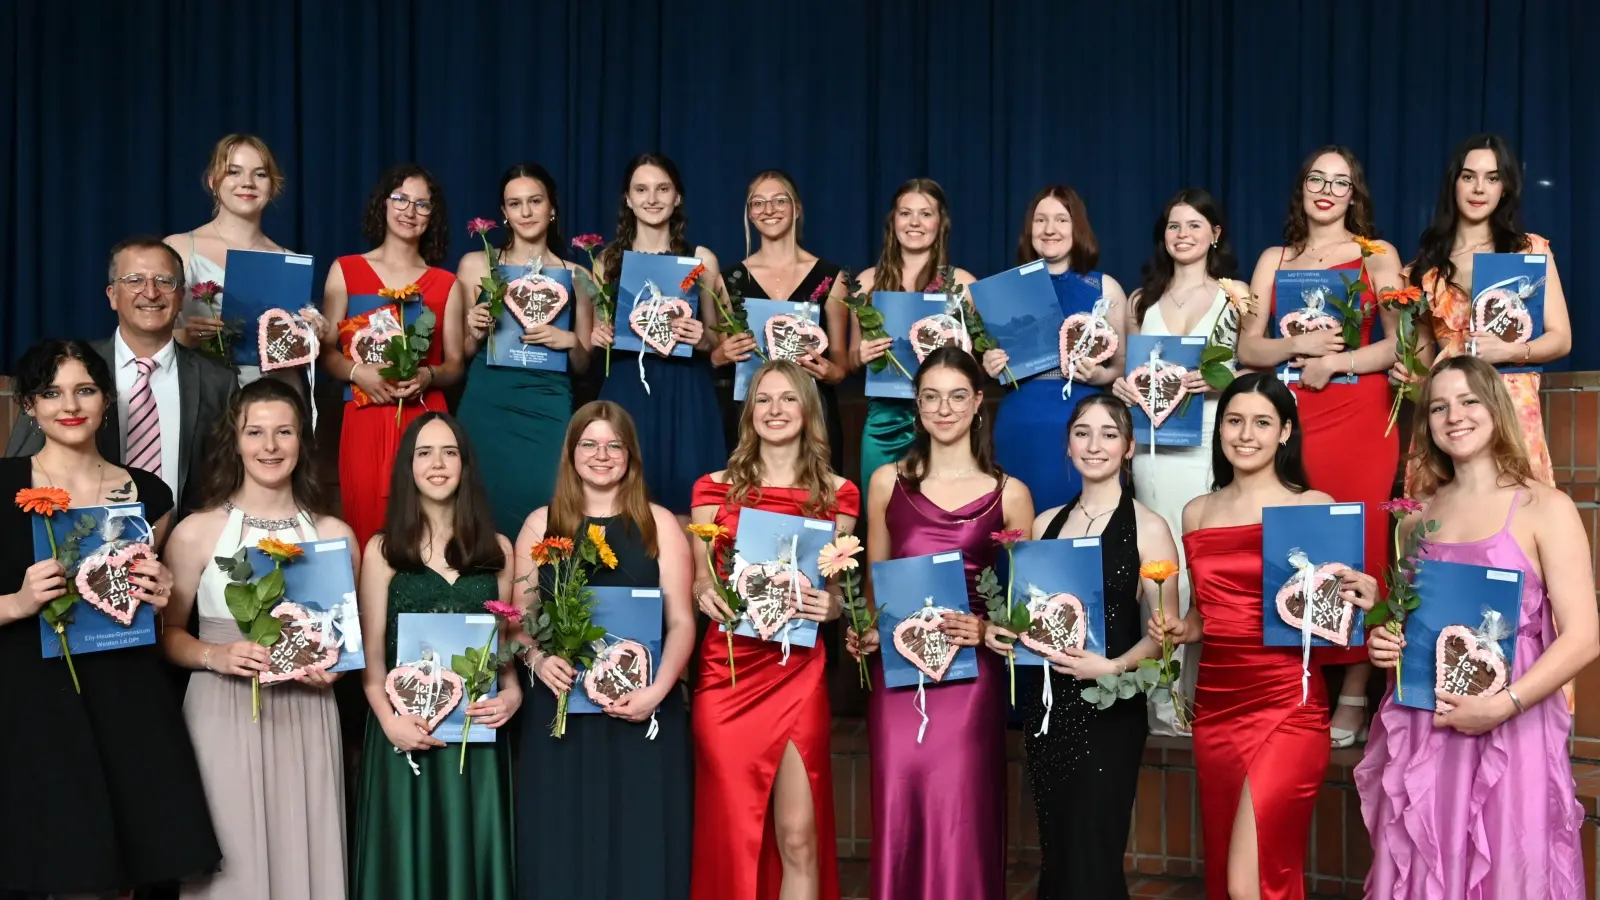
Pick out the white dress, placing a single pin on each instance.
(1168, 479)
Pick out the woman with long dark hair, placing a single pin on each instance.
(407, 224)
(1507, 751)
(521, 413)
(1260, 748)
(938, 805)
(633, 789)
(275, 786)
(677, 416)
(436, 830)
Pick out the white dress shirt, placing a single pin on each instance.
(169, 410)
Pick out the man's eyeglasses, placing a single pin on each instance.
(164, 284)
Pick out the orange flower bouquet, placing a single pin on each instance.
(47, 502)
(563, 620)
(710, 534)
(251, 600)
(1410, 304)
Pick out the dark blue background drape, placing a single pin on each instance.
(114, 106)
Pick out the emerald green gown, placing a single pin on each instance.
(890, 427)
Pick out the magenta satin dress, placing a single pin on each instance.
(938, 807)
(1486, 817)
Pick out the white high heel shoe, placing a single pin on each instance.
(1343, 737)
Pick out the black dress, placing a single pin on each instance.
(99, 791)
(1085, 770)
(604, 812)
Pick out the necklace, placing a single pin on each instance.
(263, 524)
(99, 485)
(1472, 247)
(1092, 519)
(950, 476)
(231, 245)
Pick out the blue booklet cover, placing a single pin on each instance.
(1020, 309)
(1302, 296)
(767, 546)
(907, 590)
(759, 312)
(627, 614)
(105, 623)
(536, 290)
(1176, 429)
(1062, 583)
(901, 310)
(442, 636)
(650, 278)
(259, 280)
(1507, 298)
(323, 581)
(1332, 537)
(1450, 623)
(361, 304)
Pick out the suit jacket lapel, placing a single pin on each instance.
(110, 438)
(189, 397)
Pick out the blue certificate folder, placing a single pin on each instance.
(449, 634)
(1066, 566)
(771, 537)
(91, 630)
(1327, 533)
(259, 280)
(626, 613)
(1454, 594)
(509, 350)
(1509, 275)
(1178, 429)
(1309, 288)
(758, 312)
(901, 588)
(667, 274)
(323, 581)
(1021, 312)
(900, 311)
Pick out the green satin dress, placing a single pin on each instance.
(890, 427)
(516, 421)
(439, 835)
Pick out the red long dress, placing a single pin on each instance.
(370, 437)
(1249, 721)
(1347, 455)
(741, 731)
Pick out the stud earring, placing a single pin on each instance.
(1213, 245)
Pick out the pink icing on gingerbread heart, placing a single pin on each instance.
(103, 581)
(302, 647)
(652, 321)
(768, 594)
(932, 332)
(1305, 321)
(794, 337)
(920, 641)
(1502, 313)
(535, 300)
(1465, 668)
(1168, 390)
(1331, 616)
(1058, 623)
(1085, 336)
(426, 689)
(621, 669)
(285, 340)
(366, 346)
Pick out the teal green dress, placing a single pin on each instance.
(891, 424)
(517, 420)
(440, 834)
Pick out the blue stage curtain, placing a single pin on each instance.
(115, 105)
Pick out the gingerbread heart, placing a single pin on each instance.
(920, 641)
(535, 300)
(1464, 667)
(619, 670)
(302, 647)
(1500, 311)
(103, 581)
(794, 337)
(1311, 316)
(426, 689)
(1057, 624)
(1161, 399)
(366, 346)
(932, 332)
(1331, 617)
(768, 590)
(1085, 336)
(285, 340)
(652, 321)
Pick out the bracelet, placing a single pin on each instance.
(1515, 700)
(205, 658)
(431, 375)
(354, 369)
(1352, 364)
(1527, 353)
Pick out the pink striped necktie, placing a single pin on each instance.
(144, 422)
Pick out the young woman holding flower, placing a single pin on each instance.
(1348, 455)
(276, 786)
(408, 225)
(101, 790)
(763, 780)
(521, 413)
(938, 806)
(1260, 745)
(1478, 802)
(443, 831)
(633, 792)
(1089, 759)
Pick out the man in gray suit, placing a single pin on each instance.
(191, 393)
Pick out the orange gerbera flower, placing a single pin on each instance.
(709, 533)
(597, 537)
(691, 278)
(1400, 297)
(279, 551)
(46, 501)
(1159, 570)
(405, 293)
(1369, 247)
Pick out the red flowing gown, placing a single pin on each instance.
(1347, 455)
(1249, 720)
(741, 732)
(370, 437)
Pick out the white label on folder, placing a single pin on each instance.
(325, 546)
(646, 592)
(118, 507)
(947, 557)
(1537, 258)
(479, 620)
(1353, 509)
(688, 261)
(1190, 341)
(1499, 575)
(819, 526)
(934, 298)
(1086, 542)
(1291, 377)
(294, 259)
(1031, 268)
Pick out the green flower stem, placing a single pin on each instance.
(61, 635)
(1391, 624)
(561, 717)
(896, 361)
(1166, 661)
(1011, 655)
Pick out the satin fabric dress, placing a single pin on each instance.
(1485, 817)
(938, 807)
(1249, 719)
(742, 729)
